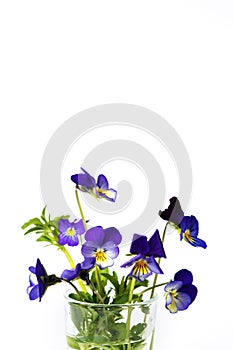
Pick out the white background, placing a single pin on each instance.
(60, 57)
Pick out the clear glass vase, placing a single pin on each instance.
(110, 327)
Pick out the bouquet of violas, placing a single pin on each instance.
(102, 301)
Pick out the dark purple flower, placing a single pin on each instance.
(102, 244)
(180, 293)
(146, 251)
(189, 229)
(173, 213)
(100, 189)
(37, 290)
(69, 232)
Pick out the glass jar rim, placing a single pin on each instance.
(85, 303)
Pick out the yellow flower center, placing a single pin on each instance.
(70, 231)
(100, 255)
(141, 268)
(188, 236)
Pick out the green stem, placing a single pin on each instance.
(132, 285)
(99, 282)
(70, 283)
(80, 210)
(159, 260)
(154, 285)
(157, 285)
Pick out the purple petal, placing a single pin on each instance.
(71, 274)
(79, 227)
(102, 182)
(156, 246)
(40, 270)
(89, 249)
(63, 225)
(111, 249)
(88, 264)
(109, 195)
(191, 290)
(34, 293)
(182, 301)
(153, 265)
(32, 269)
(70, 240)
(184, 276)
(139, 245)
(173, 286)
(132, 261)
(112, 234)
(96, 235)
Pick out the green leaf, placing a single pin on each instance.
(45, 239)
(34, 221)
(37, 229)
(137, 330)
(72, 343)
(121, 299)
(113, 279)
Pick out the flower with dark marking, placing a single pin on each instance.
(189, 228)
(69, 232)
(102, 244)
(173, 213)
(180, 293)
(100, 189)
(144, 263)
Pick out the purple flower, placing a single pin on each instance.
(84, 182)
(189, 230)
(146, 251)
(180, 293)
(187, 226)
(69, 232)
(102, 244)
(37, 290)
(72, 274)
(100, 189)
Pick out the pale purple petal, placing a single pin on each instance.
(96, 235)
(111, 249)
(102, 182)
(63, 225)
(79, 227)
(113, 235)
(89, 249)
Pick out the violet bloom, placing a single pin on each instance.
(37, 290)
(146, 251)
(72, 274)
(180, 293)
(187, 226)
(100, 189)
(102, 244)
(69, 232)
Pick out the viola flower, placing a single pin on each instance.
(72, 274)
(100, 189)
(180, 293)
(102, 244)
(34, 290)
(146, 251)
(189, 228)
(69, 232)
(103, 191)
(173, 213)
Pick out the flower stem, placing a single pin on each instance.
(132, 285)
(76, 289)
(154, 285)
(159, 260)
(81, 211)
(99, 282)
(72, 264)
